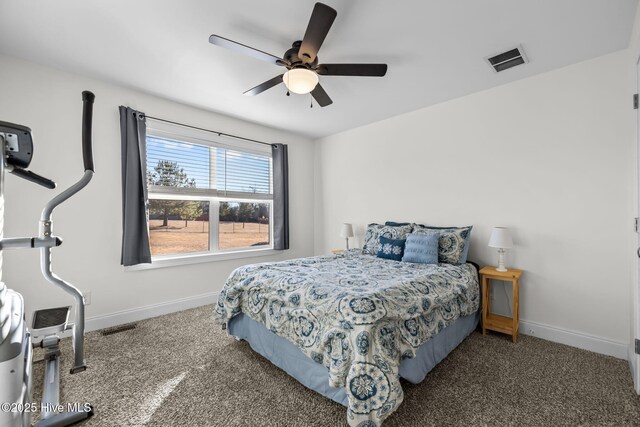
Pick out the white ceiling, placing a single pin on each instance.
(434, 49)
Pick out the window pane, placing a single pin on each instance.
(243, 224)
(243, 172)
(172, 163)
(179, 164)
(178, 226)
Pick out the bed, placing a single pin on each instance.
(350, 325)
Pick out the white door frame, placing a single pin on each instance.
(634, 359)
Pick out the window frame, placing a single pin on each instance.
(213, 196)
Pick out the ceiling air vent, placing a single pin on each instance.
(509, 59)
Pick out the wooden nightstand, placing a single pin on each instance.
(337, 251)
(494, 322)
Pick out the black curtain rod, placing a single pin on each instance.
(209, 130)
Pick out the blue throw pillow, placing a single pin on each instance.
(391, 248)
(421, 248)
(454, 242)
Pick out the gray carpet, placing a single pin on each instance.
(180, 369)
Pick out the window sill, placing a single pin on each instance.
(172, 261)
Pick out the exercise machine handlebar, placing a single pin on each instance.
(46, 232)
(87, 155)
(87, 124)
(33, 177)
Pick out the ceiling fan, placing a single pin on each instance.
(301, 60)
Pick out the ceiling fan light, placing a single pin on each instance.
(300, 80)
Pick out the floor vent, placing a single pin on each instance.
(118, 329)
(509, 59)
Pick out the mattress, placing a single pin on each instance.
(357, 316)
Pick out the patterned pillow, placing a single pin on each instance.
(374, 231)
(396, 224)
(421, 248)
(391, 248)
(453, 244)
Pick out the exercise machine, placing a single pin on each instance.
(16, 340)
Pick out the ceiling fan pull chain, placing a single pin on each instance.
(311, 106)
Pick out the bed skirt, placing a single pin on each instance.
(315, 376)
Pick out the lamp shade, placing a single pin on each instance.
(346, 231)
(300, 80)
(501, 238)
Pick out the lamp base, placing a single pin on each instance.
(501, 268)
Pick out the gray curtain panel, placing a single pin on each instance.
(135, 227)
(280, 196)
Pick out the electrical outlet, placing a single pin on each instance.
(87, 297)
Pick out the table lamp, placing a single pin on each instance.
(501, 239)
(346, 232)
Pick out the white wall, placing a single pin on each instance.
(548, 156)
(49, 101)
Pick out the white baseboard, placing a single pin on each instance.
(149, 311)
(546, 332)
(575, 339)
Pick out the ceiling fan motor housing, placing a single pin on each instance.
(292, 57)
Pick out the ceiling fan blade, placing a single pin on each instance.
(264, 86)
(245, 50)
(364, 70)
(321, 96)
(321, 20)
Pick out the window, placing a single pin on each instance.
(207, 194)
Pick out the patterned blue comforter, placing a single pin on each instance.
(356, 314)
